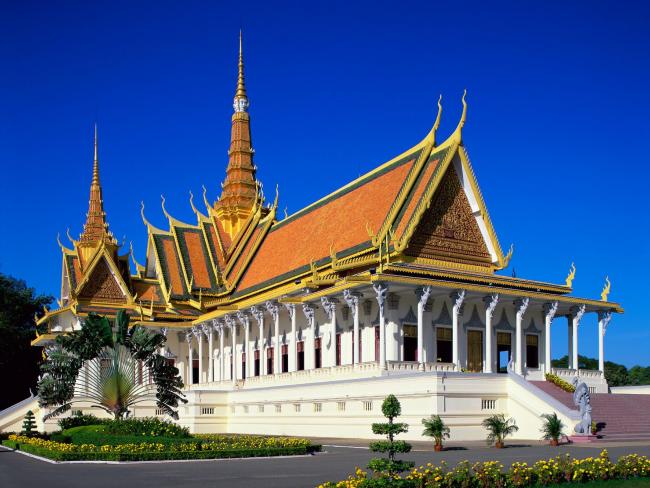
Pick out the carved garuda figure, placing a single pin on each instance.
(582, 400)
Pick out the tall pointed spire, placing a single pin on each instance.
(241, 100)
(96, 227)
(240, 188)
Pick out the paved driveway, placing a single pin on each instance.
(339, 460)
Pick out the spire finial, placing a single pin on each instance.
(240, 103)
(95, 159)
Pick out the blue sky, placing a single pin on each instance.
(557, 123)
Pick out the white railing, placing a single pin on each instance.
(581, 373)
(361, 370)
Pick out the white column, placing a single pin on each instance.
(352, 300)
(258, 313)
(570, 337)
(423, 296)
(521, 305)
(310, 353)
(603, 323)
(199, 336)
(245, 323)
(274, 310)
(457, 312)
(230, 323)
(490, 305)
(190, 376)
(550, 309)
(576, 317)
(222, 361)
(293, 352)
(207, 330)
(329, 305)
(381, 290)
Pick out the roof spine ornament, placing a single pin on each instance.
(463, 117)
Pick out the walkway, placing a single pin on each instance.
(337, 463)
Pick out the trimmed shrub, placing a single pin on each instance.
(145, 426)
(391, 409)
(78, 420)
(559, 382)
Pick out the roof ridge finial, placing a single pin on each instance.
(463, 116)
(240, 103)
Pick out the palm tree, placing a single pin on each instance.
(112, 361)
(435, 427)
(552, 429)
(499, 428)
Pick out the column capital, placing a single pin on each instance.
(291, 309)
(310, 313)
(273, 308)
(163, 331)
(207, 330)
(329, 305)
(576, 313)
(258, 314)
(491, 302)
(188, 336)
(458, 297)
(229, 321)
(604, 317)
(423, 293)
(550, 309)
(243, 318)
(522, 305)
(352, 298)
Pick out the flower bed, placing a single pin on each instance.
(559, 382)
(554, 471)
(202, 448)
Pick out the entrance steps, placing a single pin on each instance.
(618, 416)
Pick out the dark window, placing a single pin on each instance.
(410, 342)
(338, 349)
(444, 345)
(317, 353)
(285, 358)
(269, 360)
(300, 359)
(257, 363)
(195, 371)
(243, 365)
(532, 351)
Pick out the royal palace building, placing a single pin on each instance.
(301, 324)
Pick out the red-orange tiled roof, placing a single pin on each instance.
(147, 292)
(339, 221)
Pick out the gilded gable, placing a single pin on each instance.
(448, 229)
(102, 285)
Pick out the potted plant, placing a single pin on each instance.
(499, 428)
(552, 428)
(436, 428)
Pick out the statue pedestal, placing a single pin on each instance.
(582, 438)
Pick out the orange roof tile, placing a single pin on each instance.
(338, 221)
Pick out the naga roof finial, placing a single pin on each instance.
(606, 289)
(463, 116)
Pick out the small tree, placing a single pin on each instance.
(29, 424)
(552, 428)
(435, 427)
(390, 466)
(499, 428)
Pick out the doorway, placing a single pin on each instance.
(504, 351)
(410, 342)
(475, 351)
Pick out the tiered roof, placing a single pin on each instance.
(420, 215)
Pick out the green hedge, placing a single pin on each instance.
(98, 435)
(158, 456)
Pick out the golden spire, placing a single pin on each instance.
(96, 227)
(240, 103)
(239, 191)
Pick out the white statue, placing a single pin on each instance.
(581, 399)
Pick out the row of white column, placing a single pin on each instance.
(329, 305)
